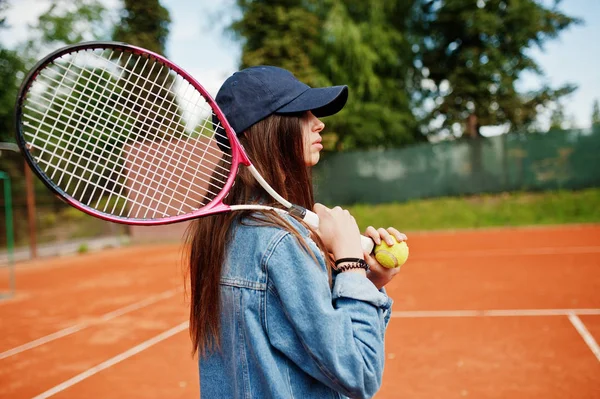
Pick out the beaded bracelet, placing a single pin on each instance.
(353, 263)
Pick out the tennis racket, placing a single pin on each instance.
(125, 135)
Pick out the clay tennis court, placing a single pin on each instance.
(501, 313)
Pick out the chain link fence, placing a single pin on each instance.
(513, 162)
(532, 162)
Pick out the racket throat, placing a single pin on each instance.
(309, 217)
(297, 211)
(263, 183)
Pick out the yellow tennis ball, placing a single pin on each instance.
(391, 256)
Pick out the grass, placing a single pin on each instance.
(70, 223)
(480, 211)
(507, 209)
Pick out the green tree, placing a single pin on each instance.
(279, 32)
(62, 22)
(66, 22)
(366, 45)
(11, 72)
(361, 44)
(558, 118)
(596, 113)
(73, 21)
(473, 52)
(143, 23)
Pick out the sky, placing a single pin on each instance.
(198, 44)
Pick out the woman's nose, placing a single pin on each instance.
(317, 125)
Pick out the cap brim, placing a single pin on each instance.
(322, 101)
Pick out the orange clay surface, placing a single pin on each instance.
(501, 313)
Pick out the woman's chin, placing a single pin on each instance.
(314, 159)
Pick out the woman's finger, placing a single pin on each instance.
(372, 233)
(399, 236)
(385, 236)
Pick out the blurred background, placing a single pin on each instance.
(464, 116)
(462, 113)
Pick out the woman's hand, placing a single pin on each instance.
(378, 274)
(339, 232)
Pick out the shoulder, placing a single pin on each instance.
(294, 251)
(266, 234)
(251, 240)
(273, 243)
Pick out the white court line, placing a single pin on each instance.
(112, 361)
(78, 327)
(585, 334)
(507, 252)
(570, 313)
(492, 313)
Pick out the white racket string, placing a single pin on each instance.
(93, 172)
(55, 127)
(94, 183)
(125, 137)
(178, 104)
(142, 89)
(162, 194)
(154, 172)
(140, 93)
(76, 143)
(203, 129)
(88, 141)
(202, 110)
(99, 175)
(154, 133)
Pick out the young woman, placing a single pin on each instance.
(279, 310)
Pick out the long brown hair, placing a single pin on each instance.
(275, 146)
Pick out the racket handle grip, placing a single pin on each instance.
(367, 244)
(312, 220)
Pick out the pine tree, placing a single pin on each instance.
(557, 118)
(596, 113)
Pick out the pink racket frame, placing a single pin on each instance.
(238, 156)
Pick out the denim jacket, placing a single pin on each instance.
(285, 332)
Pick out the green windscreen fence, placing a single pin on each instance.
(565, 159)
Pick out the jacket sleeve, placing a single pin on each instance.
(335, 335)
(387, 313)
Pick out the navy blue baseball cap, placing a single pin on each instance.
(254, 93)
